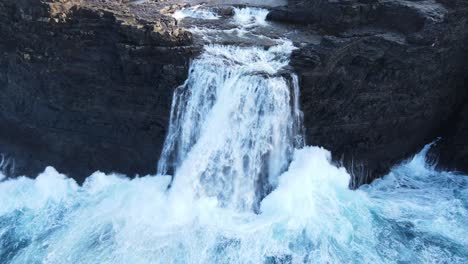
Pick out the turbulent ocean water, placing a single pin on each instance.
(236, 183)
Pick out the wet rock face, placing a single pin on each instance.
(374, 94)
(86, 87)
(451, 152)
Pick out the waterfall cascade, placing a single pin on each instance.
(235, 128)
(234, 124)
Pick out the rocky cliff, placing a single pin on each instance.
(86, 85)
(387, 78)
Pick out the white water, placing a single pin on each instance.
(247, 17)
(414, 214)
(239, 28)
(250, 17)
(197, 11)
(6, 165)
(232, 126)
(238, 104)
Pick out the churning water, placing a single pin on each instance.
(413, 215)
(244, 189)
(197, 11)
(232, 129)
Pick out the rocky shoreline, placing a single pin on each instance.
(87, 85)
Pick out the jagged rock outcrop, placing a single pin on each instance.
(86, 85)
(387, 78)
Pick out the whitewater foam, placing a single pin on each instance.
(415, 214)
(232, 124)
(248, 17)
(198, 12)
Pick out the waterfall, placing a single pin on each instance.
(2, 166)
(234, 124)
(237, 184)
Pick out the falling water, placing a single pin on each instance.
(234, 124)
(235, 137)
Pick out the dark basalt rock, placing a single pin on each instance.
(375, 94)
(86, 87)
(332, 16)
(451, 152)
(329, 16)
